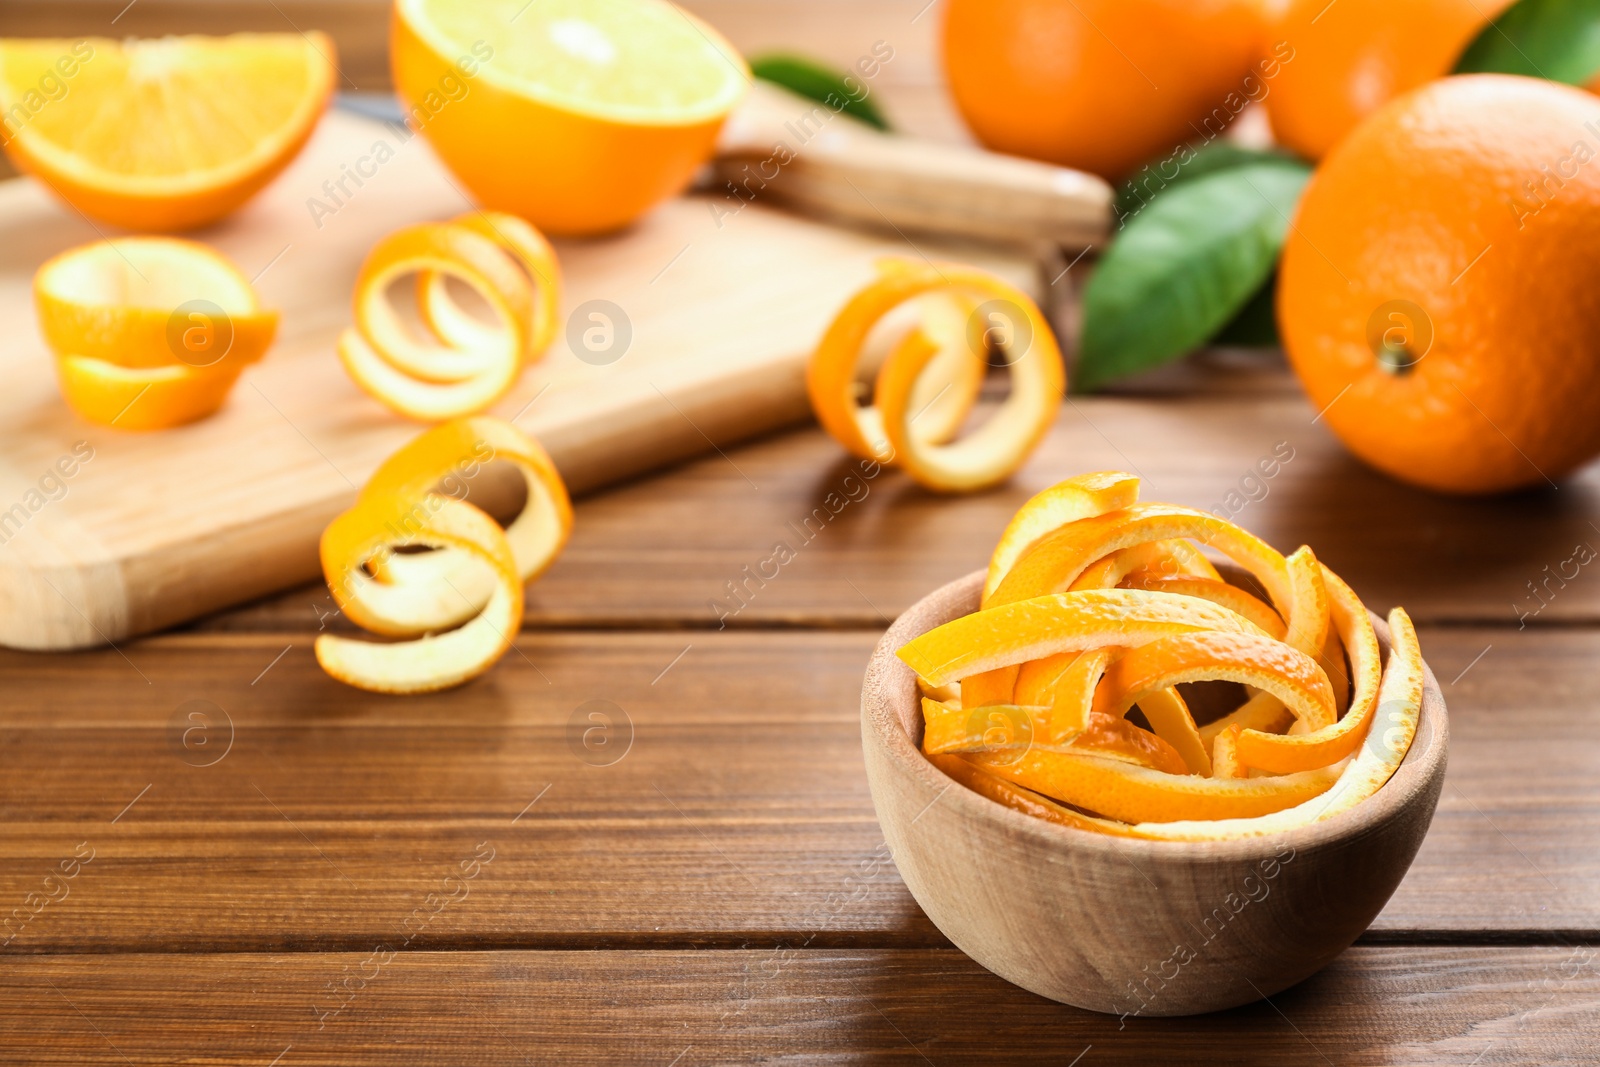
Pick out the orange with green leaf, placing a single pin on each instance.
(1196, 258)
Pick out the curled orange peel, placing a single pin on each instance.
(149, 332)
(930, 381)
(1119, 790)
(1261, 662)
(1026, 801)
(468, 584)
(1280, 753)
(1384, 745)
(1060, 622)
(1114, 608)
(1065, 682)
(465, 364)
(1067, 501)
(1218, 592)
(1013, 730)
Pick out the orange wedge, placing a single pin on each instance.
(468, 363)
(1096, 605)
(164, 134)
(578, 115)
(148, 332)
(941, 358)
(471, 577)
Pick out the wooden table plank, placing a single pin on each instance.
(739, 808)
(736, 805)
(1380, 1005)
(664, 552)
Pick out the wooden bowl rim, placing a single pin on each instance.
(886, 673)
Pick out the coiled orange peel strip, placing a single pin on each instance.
(931, 379)
(472, 579)
(1108, 606)
(149, 332)
(466, 364)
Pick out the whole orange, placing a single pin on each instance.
(1440, 286)
(1101, 85)
(1348, 58)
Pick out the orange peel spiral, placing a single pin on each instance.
(470, 582)
(466, 364)
(931, 379)
(1095, 605)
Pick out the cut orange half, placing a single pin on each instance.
(163, 134)
(578, 115)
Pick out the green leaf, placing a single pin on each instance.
(1256, 324)
(840, 91)
(1154, 178)
(1554, 39)
(1183, 267)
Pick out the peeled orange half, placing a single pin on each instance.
(578, 115)
(163, 134)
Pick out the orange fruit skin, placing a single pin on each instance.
(1351, 57)
(1421, 203)
(568, 174)
(159, 214)
(1100, 85)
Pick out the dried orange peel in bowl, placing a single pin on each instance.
(1096, 605)
(149, 332)
(469, 581)
(930, 381)
(465, 363)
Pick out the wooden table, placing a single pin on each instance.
(253, 864)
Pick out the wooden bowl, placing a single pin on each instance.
(1130, 926)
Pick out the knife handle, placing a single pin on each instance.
(850, 172)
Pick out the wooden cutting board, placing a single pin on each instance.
(155, 528)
